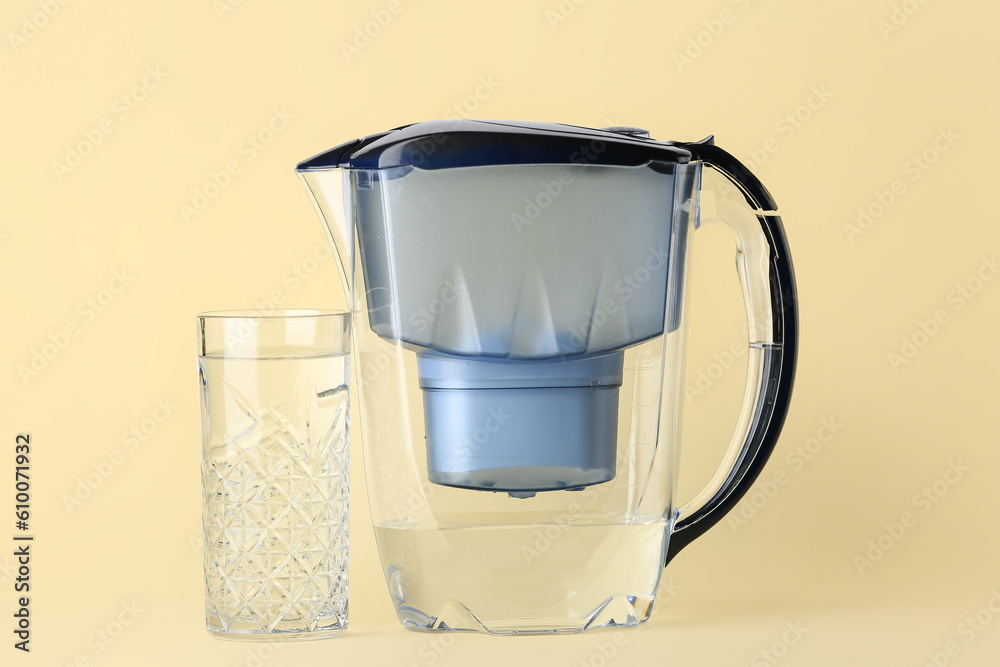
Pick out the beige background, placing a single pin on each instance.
(888, 92)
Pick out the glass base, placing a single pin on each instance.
(267, 637)
(533, 578)
(617, 611)
(251, 627)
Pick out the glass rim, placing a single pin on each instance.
(276, 314)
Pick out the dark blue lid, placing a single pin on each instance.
(443, 144)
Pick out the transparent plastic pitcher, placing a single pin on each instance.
(518, 292)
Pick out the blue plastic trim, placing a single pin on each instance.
(445, 144)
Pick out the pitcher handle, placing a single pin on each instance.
(732, 195)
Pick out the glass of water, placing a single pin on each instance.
(275, 471)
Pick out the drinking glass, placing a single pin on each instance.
(275, 407)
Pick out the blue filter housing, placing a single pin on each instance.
(520, 426)
(517, 262)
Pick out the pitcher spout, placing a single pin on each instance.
(330, 195)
